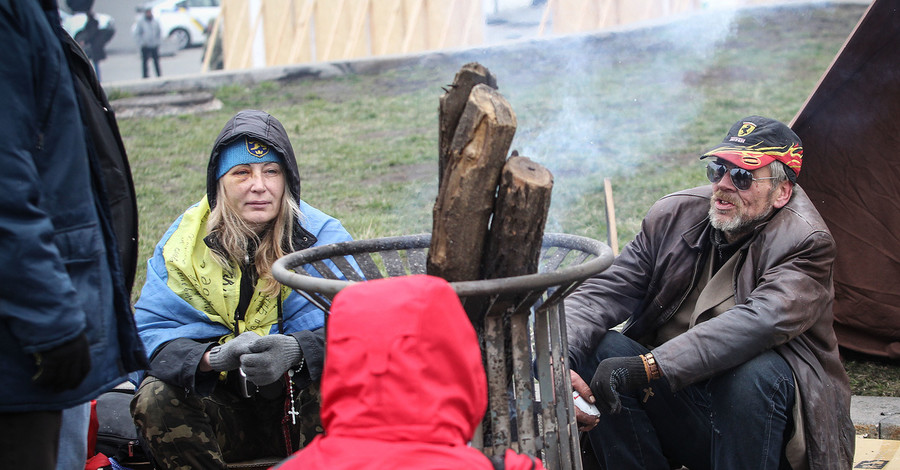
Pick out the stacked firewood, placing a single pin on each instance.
(490, 212)
(488, 223)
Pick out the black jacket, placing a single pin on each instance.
(103, 132)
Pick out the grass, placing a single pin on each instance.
(635, 106)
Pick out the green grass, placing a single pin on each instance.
(635, 106)
(872, 376)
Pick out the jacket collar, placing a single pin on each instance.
(697, 236)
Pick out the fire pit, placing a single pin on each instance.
(520, 321)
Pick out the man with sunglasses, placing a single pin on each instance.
(727, 358)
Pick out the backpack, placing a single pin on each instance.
(116, 435)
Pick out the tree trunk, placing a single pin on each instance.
(465, 200)
(452, 105)
(520, 213)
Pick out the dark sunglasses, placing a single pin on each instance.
(741, 178)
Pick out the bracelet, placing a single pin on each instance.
(652, 367)
(646, 367)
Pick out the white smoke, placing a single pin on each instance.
(584, 132)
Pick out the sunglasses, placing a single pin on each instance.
(741, 178)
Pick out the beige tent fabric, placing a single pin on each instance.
(850, 127)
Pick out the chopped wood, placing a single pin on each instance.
(465, 199)
(454, 102)
(520, 213)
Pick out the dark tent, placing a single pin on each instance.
(850, 127)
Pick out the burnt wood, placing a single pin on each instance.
(520, 213)
(454, 102)
(465, 198)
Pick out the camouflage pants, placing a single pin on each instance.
(187, 431)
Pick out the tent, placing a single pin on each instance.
(851, 170)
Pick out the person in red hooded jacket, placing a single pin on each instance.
(403, 385)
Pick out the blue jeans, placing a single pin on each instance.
(73, 437)
(741, 418)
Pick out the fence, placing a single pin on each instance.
(574, 16)
(571, 16)
(260, 33)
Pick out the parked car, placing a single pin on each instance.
(184, 23)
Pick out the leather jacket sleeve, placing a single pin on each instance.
(783, 289)
(606, 299)
(630, 288)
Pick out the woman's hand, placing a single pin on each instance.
(228, 355)
(270, 357)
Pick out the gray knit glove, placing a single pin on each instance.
(270, 357)
(228, 355)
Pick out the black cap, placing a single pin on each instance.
(756, 141)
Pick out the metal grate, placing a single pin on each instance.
(520, 321)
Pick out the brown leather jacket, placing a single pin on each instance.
(784, 295)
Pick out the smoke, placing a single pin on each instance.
(603, 104)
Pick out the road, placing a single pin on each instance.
(123, 13)
(126, 65)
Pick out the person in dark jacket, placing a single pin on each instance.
(92, 37)
(93, 40)
(404, 387)
(235, 356)
(727, 357)
(148, 35)
(67, 332)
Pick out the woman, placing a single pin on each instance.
(225, 339)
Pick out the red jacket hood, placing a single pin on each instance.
(403, 385)
(403, 362)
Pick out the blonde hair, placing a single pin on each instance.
(234, 236)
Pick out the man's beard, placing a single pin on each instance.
(740, 223)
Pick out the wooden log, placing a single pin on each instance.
(520, 213)
(452, 105)
(465, 200)
(513, 249)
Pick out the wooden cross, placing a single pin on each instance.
(648, 392)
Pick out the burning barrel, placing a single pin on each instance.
(520, 321)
